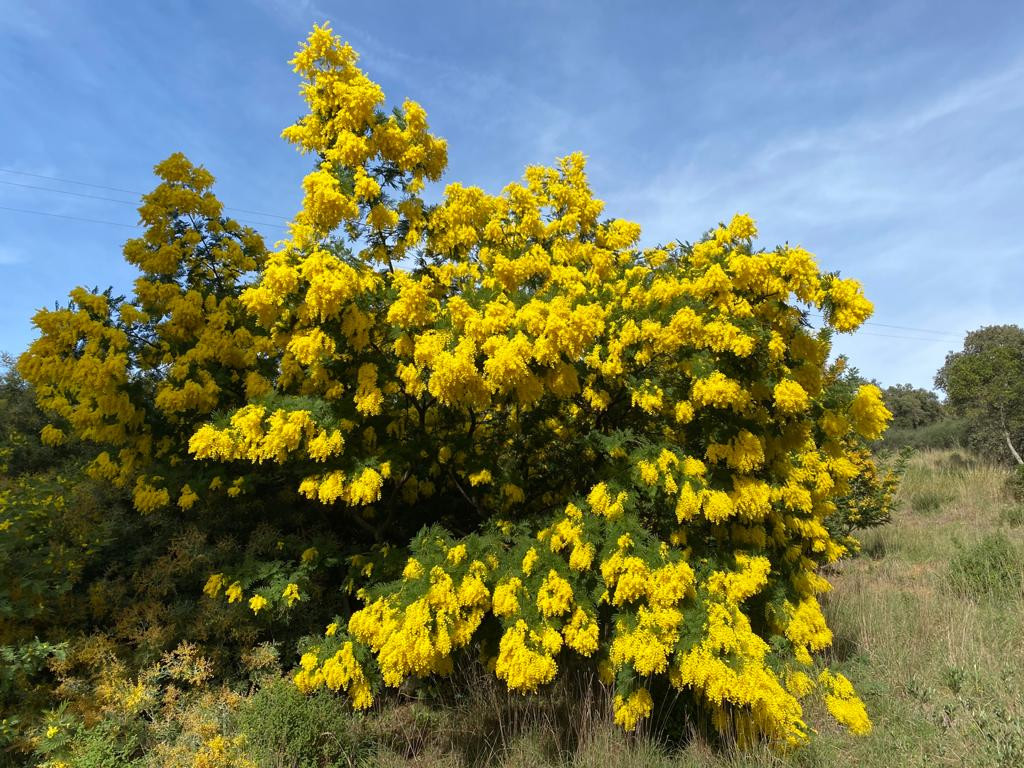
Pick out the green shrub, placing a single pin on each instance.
(945, 434)
(1012, 516)
(285, 729)
(1016, 484)
(108, 745)
(991, 567)
(869, 501)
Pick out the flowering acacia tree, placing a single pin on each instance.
(535, 440)
(133, 375)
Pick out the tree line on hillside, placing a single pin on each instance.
(983, 410)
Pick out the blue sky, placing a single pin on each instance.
(885, 137)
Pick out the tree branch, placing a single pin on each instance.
(1009, 444)
(1006, 435)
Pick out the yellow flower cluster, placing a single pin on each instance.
(554, 597)
(258, 437)
(729, 669)
(291, 594)
(633, 708)
(581, 633)
(257, 603)
(849, 308)
(790, 397)
(526, 658)
(506, 600)
(719, 391)
(645, 639)
(744, 453)
(602, 502)
(843, 702)
(418, 638)
(341, 671)
(868, 412)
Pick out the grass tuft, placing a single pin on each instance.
(991, 567)
(928, 502)
(1012, 516)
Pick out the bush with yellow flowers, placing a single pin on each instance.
(492, 427)
(868, 498)
(102, 528)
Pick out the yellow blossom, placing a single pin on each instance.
(291, 594)
(257, 603)
(790, 397)
(633, 708)
(554, 596)
(214, 584)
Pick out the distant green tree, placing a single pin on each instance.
(984, 384)
(912, 407)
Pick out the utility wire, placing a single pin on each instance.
(125, 191)
(67, 192)
(65, 216)
(108, 199)
(69, 181)
(859, 332)
(904, 327)
(893, 336)
(950, 334)
(116, 223)
(909, 328)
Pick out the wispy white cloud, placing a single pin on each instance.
(854, 169)
(912, 201)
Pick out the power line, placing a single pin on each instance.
(285, 218)
(893, 336)
(69, 181)
(125, 191)
(931, 339)
(118, 224)
(911, 328)
(108, 199)
(65, 216)
(136, 226)
(905, 327)
(67, 192)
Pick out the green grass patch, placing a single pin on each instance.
(991, 567)
(1012, 516)
(928, 502)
